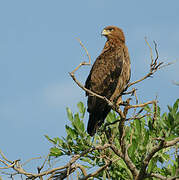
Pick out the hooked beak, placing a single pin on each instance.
(105, 32)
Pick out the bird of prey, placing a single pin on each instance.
(108, 77)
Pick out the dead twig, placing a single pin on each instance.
(96, 172)
(141, 105)
(4, 157)
(82, 63)
(154, 65)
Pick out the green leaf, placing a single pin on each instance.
(158, 110)
(164, 116)
(78, 124)
(55, 152)
(170, 120)
(81, 108)
(60, 141)
(152, 164)
(77, 119)
(111, 117)
(173, 170)
(146, 139)
(82, 126)
(150, 125)
(69, 114)
(47, 137)
(177, 118)
(138, 126)
(147, 108)
(132, 149)
(171, 137)
(169, 108)
(104, 175)
(175, 106)
(51, 140)
(70, 132)
(123, 165)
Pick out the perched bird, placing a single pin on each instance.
(108, 77)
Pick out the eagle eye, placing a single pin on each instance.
(111, 29)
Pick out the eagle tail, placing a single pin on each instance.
(92, 124)
(96, 120)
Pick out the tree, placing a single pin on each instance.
(138, 145)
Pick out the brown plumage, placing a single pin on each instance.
(108, 77)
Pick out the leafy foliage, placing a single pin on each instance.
(141, 136)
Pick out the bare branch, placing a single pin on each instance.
(26, 162)
(89, 91)
(162, 177)
(83, 63)
(7, 165)
(83, 170)
(157, 56)
(171, 143)
(70, 165)
(82, 45)
(154, 65)
(4, 157)
(151, 52)
(168, 64)
(96, 172)
(141, 105)
(59, 175)
(41, 167)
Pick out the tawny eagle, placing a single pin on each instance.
(108, 77)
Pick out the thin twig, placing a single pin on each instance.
(4, 157)
(158, 176)
(35, 158)
(96, 172)
(151, 52)
(141, 105)
(82, 63)
(154, 65)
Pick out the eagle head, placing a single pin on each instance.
(111, 32)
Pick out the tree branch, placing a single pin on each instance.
(154, 65)
(162, 177)
(96, 172)
(18, 168)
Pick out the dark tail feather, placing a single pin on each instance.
(92, 124)
(96, 120)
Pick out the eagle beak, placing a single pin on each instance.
(105, 32)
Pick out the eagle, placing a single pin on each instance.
(108, 77)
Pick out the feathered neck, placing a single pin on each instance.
(112, 44)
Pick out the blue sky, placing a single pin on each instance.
(38, 48)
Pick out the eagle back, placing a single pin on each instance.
(106, 70)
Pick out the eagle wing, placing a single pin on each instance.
(105, 76)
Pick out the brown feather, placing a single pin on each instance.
(108, 77)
